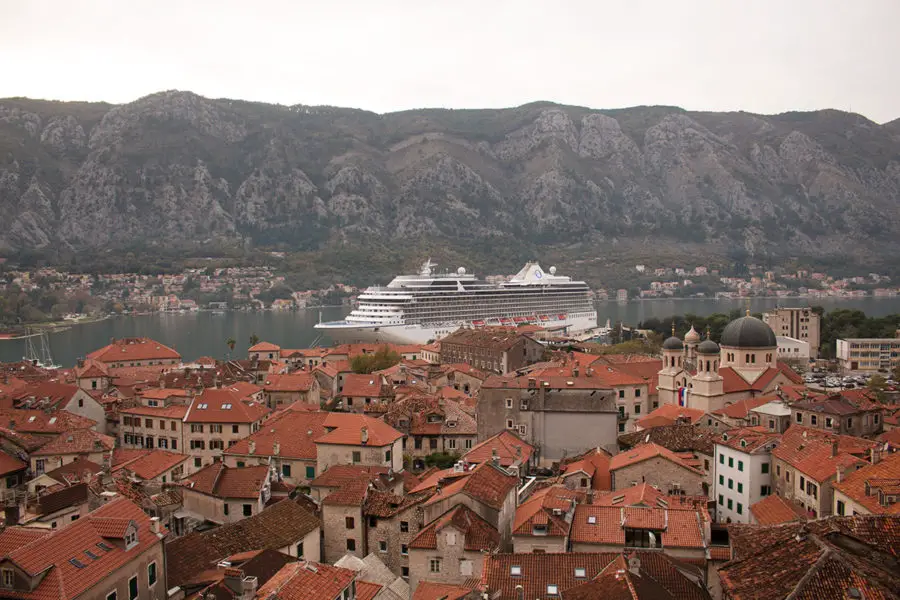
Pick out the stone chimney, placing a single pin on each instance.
(11, 514)
(252, 447)
(276, 448)
(839, 475)
(875, 455)
(155, 525)
(364, 435)
(494, 457)
(834, 448)
(575, 371)
(634, 564)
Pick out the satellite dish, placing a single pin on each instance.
(461, 271)
(553, 270)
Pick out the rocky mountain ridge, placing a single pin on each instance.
(177, 167)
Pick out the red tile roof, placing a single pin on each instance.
(733, 382)
(486, 484)
(133, 349)
(361, 385)
(307, 581)
(538, 510)
(46, 395)
(13, 538)
(749, 439)
(294, 430)
(605, 525)
(596, 461)
(812, 451)
(80, 441)
(366, 590)
(264, 347)
(741, 409)
(225, 405)
(429, 590)
(351, 493)
(347, 429)
(503, 574)
(173, 411)
(154, 463)
(80, 469)
(40, 422)
(644, 494)
(669, 414)
(163, 393)
(10, 464)
(774, 509)
(509, 447)
(295, 382)
(52, 553)
(646, 452)
(431, 478)
(222, 481)
(91, 369)
(336, 476)
(478, 534)
(866, 485)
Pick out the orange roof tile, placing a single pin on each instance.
(866, 485)
(669, 414)
(485, 483)
(10, 464)
(538, 510)
(599, 460)
(13, 538)
(224, 405)
(264, 347)
(163, 393)
(369, 386)
(347, 429)
(509, 447)
(154, 463)
(351, 493)
(478, 534)
(80, 441)
(294, 430)
(54, 553)
(133, 349)
(91, 369)
(173, 411)
(812, 451)
(307, 581)
(774, 509)
(41, 422)
(741, 409)
(295, 382)
(429, 590)
(223, 481)
(644, 452)
(680, 528)
(366, 590)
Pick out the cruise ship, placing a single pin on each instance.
(416, 309)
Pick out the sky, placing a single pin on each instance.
(764, 56)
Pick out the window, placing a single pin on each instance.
(765, 490)
(404, 526)
(404, 571)
(357, 457)
(731, 484)
(432, 443)
(151, 573)
(765, 467)
(841, 508)
(310, 472)
(876, 418)
(849, 423)
(382, 546)
(148, 423)
(174, 443)
(216, 445)
(235, 429)
(248, 510)
(9, 578)
(552, 589)
(509, 403)
(721, 459)
(802, 482)
(404, 549)
(133, 588)
(172, 425)
(351, 544)
(787, 475)
(349, 523)
(721, 480)
(112, 596)
(729, 504)
(740, 488)
(215, 429)
(196, 428)
(740, 508)
(451, 444)
(740, 465)
(637, 393)
(637, 409)
(434, 565)
(198, 462)
(621, 393)
(778, 470)
(300, 550)
(509, 424)
(198, 444)
(468, 444)
(240, 464)
(828, 422)
(621, 427)
(799, 417)
(730, 462)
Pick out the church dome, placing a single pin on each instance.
(708, 346)
(673, 343)
(748, 332)
(692, 336)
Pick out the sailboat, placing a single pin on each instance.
(45, 359)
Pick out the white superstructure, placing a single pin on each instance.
(413, 309)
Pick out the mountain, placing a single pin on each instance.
(178, 168)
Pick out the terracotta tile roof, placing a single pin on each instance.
(368, 386)
(222, 481)
(836, 404)
(647, 368)
(431, 478)
(295, 431)
(485, 483)
(818, 559)
(468, 370)
(552, 382)
(282, 524)
(133, 349)
(607, 376)
(733, 382)
(387, 504)
(80, 469)
(677, 438)
(670, 414)
(644, 452)
(812, 451)
(504, 573)
(741, 409)
(336, 476)
(10, 464)
(13, 538)
(163, 393)
(644, 494)
(366, 590)
(91, 369)
(509, 447)
(225, 405)
(749, 439)
(80, 441)
(346, 429)
(422, 414)
(52, 553)
(264, 347)
(774, 509)
(596, 459)
(867, 485)
(262, 564)
(539, 508)
(641, 575)
(352, 493)
(295, 382)
(487, 337)
(173, 411)
(307, 581)
(45, 395)
(154, 463)
(681, 528)
(478, 534)
(40, 422)
(429, 590)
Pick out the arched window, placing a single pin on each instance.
(707, 366)
(753, 358)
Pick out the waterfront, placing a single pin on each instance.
(204, 334)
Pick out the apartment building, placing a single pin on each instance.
(868, 354)
(496, 350)
(870, 490)
(803, 324)
(217, 419)
(69, 447)
(282, 390)
(224, 494)
(742, 473)
(154, 423)
(658, 466)
(841, 414)
(354, 439)
(135, 352)
(432, 425)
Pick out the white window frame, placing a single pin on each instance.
(155, 570)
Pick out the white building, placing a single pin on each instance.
(793, 349)
(743, 472)
(869, 354)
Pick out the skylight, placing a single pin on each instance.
(580, 573)
(31, 419)
(104, 547)
(592, 520)
(91, 555)
(552, 589)
(515, 570)
(202, 406)
(52, 420)
(77, 563)
(226, 406)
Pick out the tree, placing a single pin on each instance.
(231, 344)
(877, 385)
(254, 339)
(383, 358)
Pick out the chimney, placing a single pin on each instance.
(276, 448)
(575, 371)
(634, 564)
(495, 458)
(11, 515)
(234, 581)
(834, 448)
(839, 476)
(250, 585)
(252, 449)
(155, 525)
(875, 455)
(364, 435)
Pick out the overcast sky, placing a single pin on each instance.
(764, 56)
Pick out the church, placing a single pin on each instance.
(709, 376)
